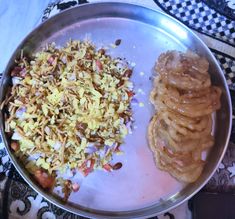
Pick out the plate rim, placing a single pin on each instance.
(85, 211)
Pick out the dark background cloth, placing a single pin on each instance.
(214, 19)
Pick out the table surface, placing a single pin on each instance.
(213, 21)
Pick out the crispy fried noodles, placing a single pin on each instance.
(68, 108)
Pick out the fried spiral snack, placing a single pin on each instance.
(185, 71)
(184, 99)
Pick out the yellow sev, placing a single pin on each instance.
(70, 107)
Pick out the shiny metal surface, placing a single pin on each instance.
(139, 189)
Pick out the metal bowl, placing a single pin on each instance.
(139, 189)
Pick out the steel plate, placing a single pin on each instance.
(138, 189)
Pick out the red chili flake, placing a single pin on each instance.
(75, 187)
(15, 146)
(23, 73)
(101, 51)
(130, 93)
(92, 163)
(50, 60)
(22, 99)
(88, 56)
(83, 167)
(89, 169)
(127, 73)
(117, 149)
(99, 65)
(16, 71)
(45, 180)
(107, 167)
(81, 126)
(67, 189)
(121, 82)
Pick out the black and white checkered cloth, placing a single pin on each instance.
(198, 16)
(227, 64)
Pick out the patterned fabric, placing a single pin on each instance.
(5, 163)
(58, 6)
(227, 63)
(198, 16)
(24, 202)
(225, 7)
(224, 178)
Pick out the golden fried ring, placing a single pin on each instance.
(162, 96)
(185, 144)
(187, 107)
(181, 131)
(180, 158)
(185, 82)
(184, 71)
(188, 110)
(182, 165)
(156, 130)
(208, 95)
(179, 122)
(189, 176)
(178, 61)
(169, 161)
(178, 132)
(151, 133)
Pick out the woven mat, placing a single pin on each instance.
(214, 22)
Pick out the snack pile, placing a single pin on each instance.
(68, 109)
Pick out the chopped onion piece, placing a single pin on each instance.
(16, 136)
(16, 80)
